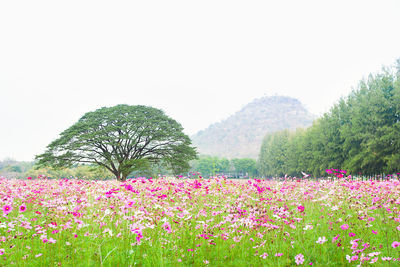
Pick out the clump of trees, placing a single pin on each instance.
(361, 134)
(14, 169)
(86, 172)
(209, 166)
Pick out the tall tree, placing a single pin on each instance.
(273, 156)
(122, 139)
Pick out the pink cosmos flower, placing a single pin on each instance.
(351, 234)
(354, 258)
(7, 209)
(2, 251)
(22, 208)
(374, 232)
(300, 208)
(139, 235)
(395, 244)
(167, 227)
(335, 238)
(344, 226)
(264, 256)
(374, 260)
(299, 259)
(278, 254)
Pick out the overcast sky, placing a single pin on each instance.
(199, 61)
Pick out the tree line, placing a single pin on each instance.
(209, 166)
(205, 166)
(360, 133)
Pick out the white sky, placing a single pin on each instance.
(199, 61)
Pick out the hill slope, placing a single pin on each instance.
(241, 134)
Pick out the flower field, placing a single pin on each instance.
(215, 222)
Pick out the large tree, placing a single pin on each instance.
(122, 139)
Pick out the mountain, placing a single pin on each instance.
(241, 134)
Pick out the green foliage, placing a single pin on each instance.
(359, 134)
(88, 172)
(14, 169)
(210, 166)
(245, 166)
(122, 139)
(273, 155)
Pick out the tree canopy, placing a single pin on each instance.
(122, 139)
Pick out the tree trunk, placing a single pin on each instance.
(118, 176)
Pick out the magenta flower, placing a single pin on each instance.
(344, 226)
(335, 238)
(395, 244)
(22, 208)
(2, 251)
(167, 227)
(374, 232)
(300, 208)
(7, 209)
(139, 235)
(351, 234)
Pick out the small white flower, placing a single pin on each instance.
(307, 227)
(107, 212)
